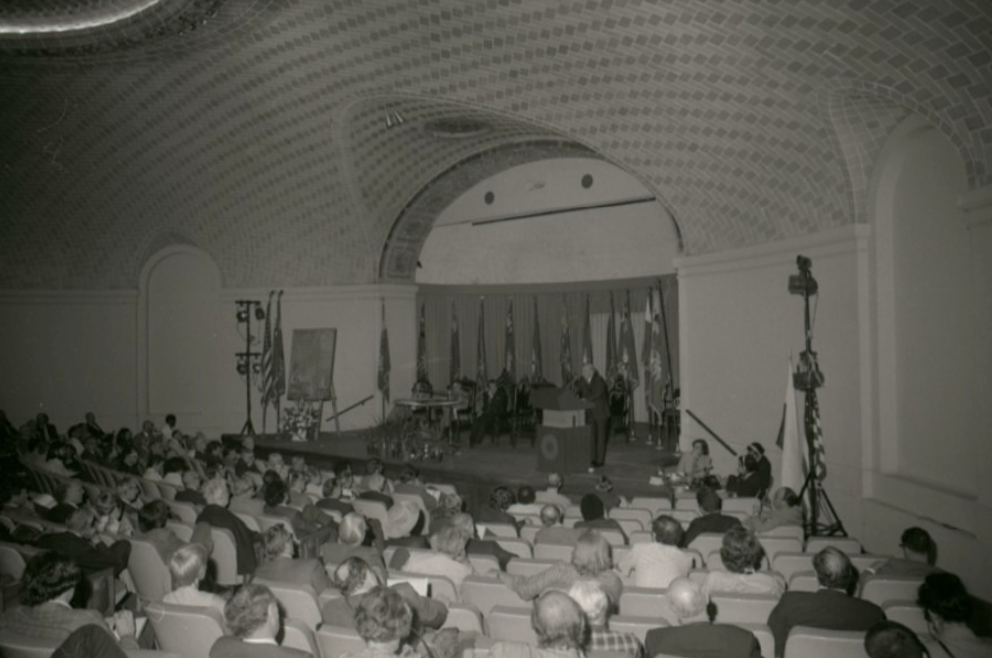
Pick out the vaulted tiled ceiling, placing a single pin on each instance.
(256, 129)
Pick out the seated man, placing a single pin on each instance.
(658, 563)
(526, 504)
(152, 527)
(561, 630)
(308, 521)
(355, 539)
(591, 597)
(70, 495)
(80, 542)
(699, 639)
(281, 566)
(831, 607)
(331, 501)
(594, 516)
(919, 556)
(252, 615)
(552, 531)
(552, 495)
(500, 499)
(190, 493)
(47, 587)
(242, 497)
(948, 609)
(188, 566)
(355, 579)
(786, 509)
(743, 558)
(478, 546)
(710, 504)
(447, 557)
(217, 515)
(890, 639)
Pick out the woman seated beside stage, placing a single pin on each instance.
(694, 466)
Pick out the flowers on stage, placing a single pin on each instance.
(298, 421)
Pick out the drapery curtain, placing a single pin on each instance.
(438, 302)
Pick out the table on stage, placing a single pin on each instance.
(430, 404)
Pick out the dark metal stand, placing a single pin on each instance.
(247, 360)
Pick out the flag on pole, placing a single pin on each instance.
(265, 380)
(815, 437)
(646, 347)
(628, 348)
(612, 360)
(656, 384)
(481, 374)
(384, 365)
(422, 347)
(510, 346)
(455, 370)
(587, 336)
(536, 367)
(278, 366)
(565, 354)
(788, 440)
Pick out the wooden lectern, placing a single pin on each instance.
(564, 442)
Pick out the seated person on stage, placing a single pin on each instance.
(594, 516)
(747, 483)
(658, 563)
(70, 495)
(526, 504)
(695, 465)
(355, 579)
(561, 627)
(592, 557)
(552, 531)
(80, 542)
(47, 587)
(355, 539)
(281, 565)
(592, 599)
(447, 558)
(217, 515)
(710, 504)
(494, 406)
(948, 609)
(698, 639)
(243, 498)
(919, 556)
(253, 617)
(757, 451)
(310, 520)
(153, 528)
(190, 493)
(552, 495)
(188, 566)
(832, 607)
(785, 509)
(890, 639)
(409, 482)
(331, 501)
(500, 500)
(743, 558)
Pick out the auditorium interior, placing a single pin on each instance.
(160, 161)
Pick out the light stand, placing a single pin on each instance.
(248, 361)
(808, 378)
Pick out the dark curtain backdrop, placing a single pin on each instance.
(437, 303)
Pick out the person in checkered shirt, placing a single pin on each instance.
(592, 598)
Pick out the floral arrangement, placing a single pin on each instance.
(299, 420)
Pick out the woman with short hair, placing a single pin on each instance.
(253, 617)
(742, 556)
(384, 620)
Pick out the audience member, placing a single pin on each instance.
(448, 557)
(477, 546)
(595, 604)
(710, 504)
(831, 607)
(742, 557)
(308, 521)
(252, 615)
(217, 515)
(280, 566)
(696, 465)
(747, 482)
(409, 482)
(948, 608)
(354, 541)
(562, 631)
(242, 498)
(79, 542)
(111, 518)
(658, 563)
(785, 509)
(404, 524)
(552, 531)
(605, 492)
(89, 640)
(331, 501)
(70, 495)
(890, 639)
(384, 620)
(692, 638)
(297, 482)
(188, 566)
(190, 493)
(592, 557)
(500, 500)
(552, 495)
(594, 516)
(152, 526)
(448, 505)
(526, 504)
(919, 556)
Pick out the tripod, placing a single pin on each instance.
(808, 379)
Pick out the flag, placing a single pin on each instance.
(587, 337)
(265, 381)
(455, 370)
(815, 436)
(384, 366)
(536, 367)
(655, 386)
(612, 362)
(628, 348)
(510, 347)
(788, 440)
(646, 344)
(278, 366)
(565, 355)
(422, 347)
(481, 375)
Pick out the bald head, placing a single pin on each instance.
(558, 621)
(834, 570)
(686, 598)
(550, 515)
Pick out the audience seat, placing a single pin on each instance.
(614, 537)
(487, 593)
(299, 601)
(511, 624)
(150, 574)
(775, 545)
(743, 608)
(558, 552)
(636, 624)
(442, 588)
(149, 489)
(12, 560)
(764, 635)
(867, 560)
(788, 564)
(443, 487)
(687, 504)
(499, 529)
(298, 635)
(656, 506)
(167, 490)
(529, 532)
(804, 581)
(630, 525)
(181, 530)
(372, 509)
(249, 521)
(879, 589)
(643, 602)
(908, 613)
(684, 516)
(640, 537)
(333, 641)
(465, 618)
(697, 558)
(745, 505)
(185, 512)
(848, 545)
(484, 564)
(806, 642)
(225, 555)
(521, 567)
(16, 645)
(519, 547)
(707, 542)
(642, 516)
(187, 630)
(794, 531)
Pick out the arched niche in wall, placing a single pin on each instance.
(926, 334)
(179, 349)
(555, 220)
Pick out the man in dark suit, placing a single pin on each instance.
(252, 614)
(70, 495)
(78, 542)
(217, 515)
(701, 639)
(591, 387)
(831, 607)
(710, 504)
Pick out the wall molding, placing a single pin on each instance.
(63, 297)
(976, 205)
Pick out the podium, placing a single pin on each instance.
(564, 442)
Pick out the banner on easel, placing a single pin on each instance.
(311, 368)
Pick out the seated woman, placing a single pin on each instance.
(694, 466)
(280, 566)
(742, 556)
(592, 557)
(747, 483)
(253, 617)
(500, 500)
(111, 519)
(594, 516)
(384, 620)
(153, 527)
(447, 558)
(188, 566)
(308, 521)
(47, 586)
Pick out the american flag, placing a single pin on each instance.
(816, 436)
(265, 381)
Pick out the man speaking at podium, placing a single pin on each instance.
(591, 387)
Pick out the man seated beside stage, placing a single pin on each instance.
(594, 516)
(656, 564)
(281, 565)
(217, 515)
(552, 531)
(785, 510)
(308, 521)
(710, 504)
(355, 579)
(552, 495)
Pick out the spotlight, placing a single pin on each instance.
(259, 313)
(242, 315)
(242, 368)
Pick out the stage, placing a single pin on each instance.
(477, 469)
